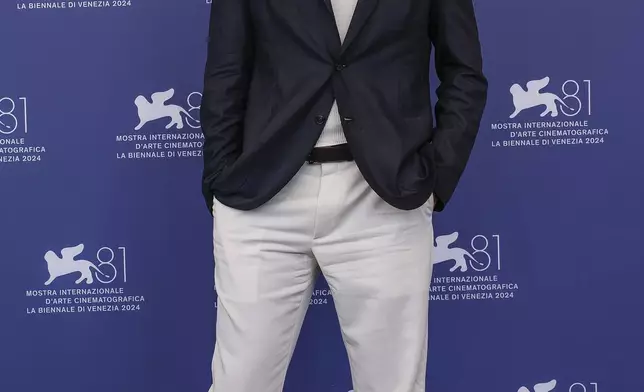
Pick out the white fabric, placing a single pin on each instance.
(343, 11)
(332, 133)
(376, 259)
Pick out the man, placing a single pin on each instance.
(320, 154)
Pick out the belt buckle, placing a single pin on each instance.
(312, 162)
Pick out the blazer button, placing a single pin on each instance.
(340, 67)
(319, 120)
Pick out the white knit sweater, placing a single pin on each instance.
(332, 133)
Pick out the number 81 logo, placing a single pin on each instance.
(9, 115)
(106, 257)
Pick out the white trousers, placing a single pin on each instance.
(375, 258)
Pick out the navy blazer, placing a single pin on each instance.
(274, 68)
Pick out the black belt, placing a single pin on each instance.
(337, 153)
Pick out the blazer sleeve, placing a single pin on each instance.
(227, 77)
(462, 93)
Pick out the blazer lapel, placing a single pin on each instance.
(311, 25)
(328, 5)
(331, 30)
(364, 8)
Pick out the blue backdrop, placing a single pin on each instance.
(550, 209)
